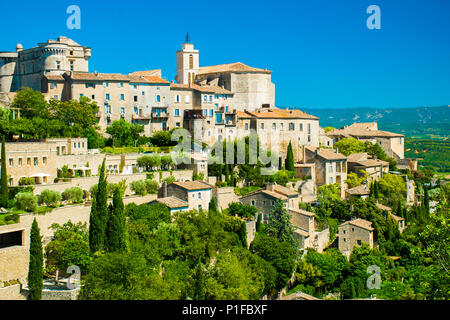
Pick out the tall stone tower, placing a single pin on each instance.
(187, 62)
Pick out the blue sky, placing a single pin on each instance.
(321, 52)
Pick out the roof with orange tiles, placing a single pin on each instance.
(276, 113)
(372, 163)
(359, 190)
(360, 223)
(193, 185)
(383, 207)
(54, 77)
(363, 130)
(147, 79)
(156, 72)
(284, 191)
(354, 157)
(267, 193)
(303, 212)
(396, 218)
(231, 67)
(326, 153)
(173, 202)
(99, 76)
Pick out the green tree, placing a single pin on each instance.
(99, 214)
(348, 146)
(35, 268)
(213, 205)
(115, 229)
(242, 210)
(31, 103)
(199, 282)
(69, 246)
(124, 134)
(4, 196)
(289, 164)
(280, 225)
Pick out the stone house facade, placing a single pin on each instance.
(353, 233)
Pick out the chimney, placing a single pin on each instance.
(270, 186)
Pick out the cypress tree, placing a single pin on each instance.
(399, 209)
(4, 197)
(36, 264)
(116, 239)
(243, 234)
(426, 199)
(227, 174)
(377, 190)
(99, 214)
(259, 222)
(289, 164)
(213, 205)
(199, 288)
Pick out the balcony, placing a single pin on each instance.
(159, 115)
(141, 116)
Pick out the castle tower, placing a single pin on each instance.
(187, 62)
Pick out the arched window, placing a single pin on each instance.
(191, 61)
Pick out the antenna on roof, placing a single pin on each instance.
(188, 38)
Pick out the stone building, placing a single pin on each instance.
(25, 68)
(150, 101)
(392, 143)
(358, 162)
(361, 191)
(354, 232)
(264, 199)
(399, 220)
(197, 194)
(330, 166)
(277, 127)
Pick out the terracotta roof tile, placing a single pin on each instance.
(231, 67)
(193, 185)
(99, 76)
(360, 223)
(359, 190)
(173, 202)
(327, 154)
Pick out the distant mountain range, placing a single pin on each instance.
(420, 115)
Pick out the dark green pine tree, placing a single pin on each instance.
(227, 174)
(377, 190)
(426, 199)
(36, 264)
(243, 234)
(289, 164)
(372, 191)
(199, 285)
(259, 223)
(213, 205)
(280, 225)
(232, 177)
(4, 197)
(115, 234)
(99, 214)
(399, 211)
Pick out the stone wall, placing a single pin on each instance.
(14, 260)
(251, 230)
(225, 196)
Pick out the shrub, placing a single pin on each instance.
(169, 180)
(14, 218)
(24, 181)
(138, 187)
(151, 186)
(50, 198)
(26, 201)
(93, 190)
(73, 195)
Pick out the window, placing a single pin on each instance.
(44, 161)
(253, 202)
(58, 65)
(272, 202)
(122, 97)
(135, 98)
(330, 169)
(191, 61)
(199, 195)
(353, 229)
(281, 126)
(330, 180)
(186, 99)
(309, 128)
(274, 126)
(291, 126)
(28, 161)
(177, 98)
(158, 98)
(105, 84)
(358, 242)
(178, 124)
(120, 84)
(71, 65)
(93, 97)
(122, 110)
(205, 98)
(210, 98)
(53, 85)
(11, 162)
(19, 162)
(301, 126)
(143, 93)
(35, 161)
(176, 112)
(107, 96)
(211, 112)
(205, 112)
(246, 126)
(262, 126)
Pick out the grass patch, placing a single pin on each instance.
(245, 190)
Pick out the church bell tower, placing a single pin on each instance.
(187, 62)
